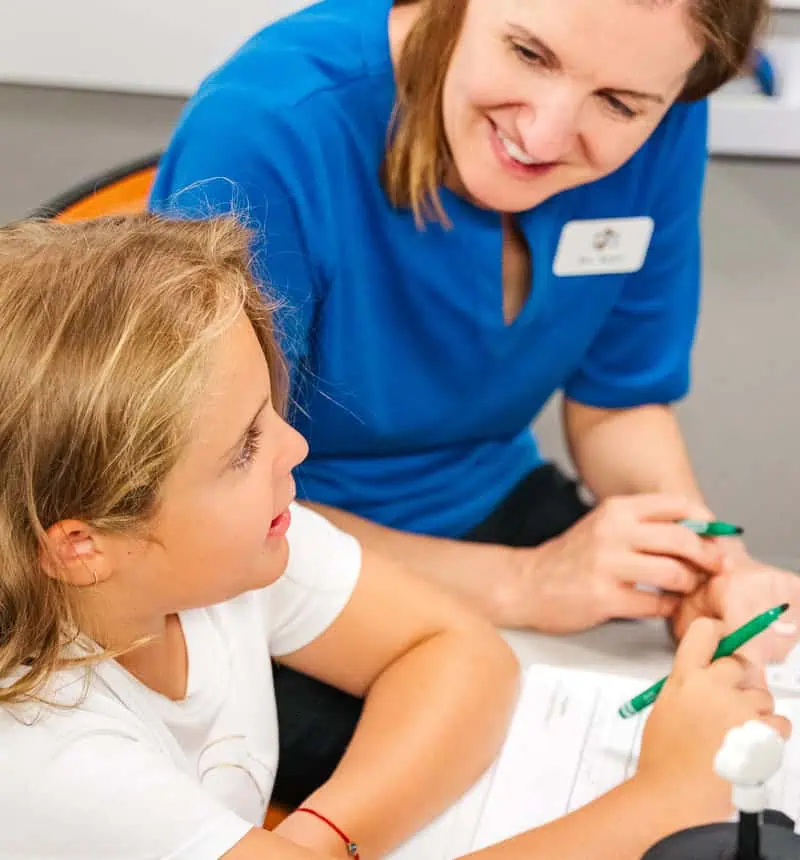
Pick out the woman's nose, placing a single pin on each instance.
(547, 132)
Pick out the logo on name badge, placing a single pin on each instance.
(609, 246)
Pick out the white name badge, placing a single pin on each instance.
(606, 246)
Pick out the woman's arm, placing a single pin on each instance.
(642, 450)
(480, 574)
(620, 452)
(616, 451)
(573, 582)
(440, 686)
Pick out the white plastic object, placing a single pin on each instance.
(749, 757)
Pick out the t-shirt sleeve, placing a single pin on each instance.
(101, 795)
(643, 351)
(324, 564)
(230, 156)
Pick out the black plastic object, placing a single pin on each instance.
(778, 841)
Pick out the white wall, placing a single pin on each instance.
(167, 46)
(156, 46)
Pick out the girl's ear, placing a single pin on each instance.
(73, 553)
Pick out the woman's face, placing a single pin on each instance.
(546, 95)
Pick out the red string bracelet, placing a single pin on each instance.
(352, 848)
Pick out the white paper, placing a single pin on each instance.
(567, 745)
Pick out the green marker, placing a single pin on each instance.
(727, 645)
(713, 529)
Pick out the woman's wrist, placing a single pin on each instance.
(510, 592)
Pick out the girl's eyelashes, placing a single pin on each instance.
(249, 448)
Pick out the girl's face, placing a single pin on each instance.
(548, 95)
(221, 527)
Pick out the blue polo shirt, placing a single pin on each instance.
(414, 394)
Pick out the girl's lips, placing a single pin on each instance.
(280, 525)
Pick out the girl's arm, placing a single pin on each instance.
(440, 686)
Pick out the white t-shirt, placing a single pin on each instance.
(129, 774)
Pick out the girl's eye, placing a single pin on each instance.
(249, 449)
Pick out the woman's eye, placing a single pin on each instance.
(619, 107)
(526, 54)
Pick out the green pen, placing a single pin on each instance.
(713, 529)
(727, 645)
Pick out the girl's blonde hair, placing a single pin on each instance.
(106, 332)
(418, 157)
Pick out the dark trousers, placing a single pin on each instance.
(316, 722)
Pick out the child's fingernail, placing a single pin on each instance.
(785, 628)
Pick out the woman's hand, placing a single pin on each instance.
(628, 558)
(699, 704)
(745, 588)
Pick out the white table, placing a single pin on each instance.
(639, 649)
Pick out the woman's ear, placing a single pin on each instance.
(73, 552)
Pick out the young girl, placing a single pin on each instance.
(152, 562)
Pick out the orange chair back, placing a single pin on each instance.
(123, 191)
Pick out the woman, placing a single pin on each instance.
(468, 206)
(152, 562)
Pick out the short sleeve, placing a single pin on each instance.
(643, 351)
(324, 565)
(229, 156)
(100, 795)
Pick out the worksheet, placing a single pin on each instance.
(567, 745)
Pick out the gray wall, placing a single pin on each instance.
(743, 418)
